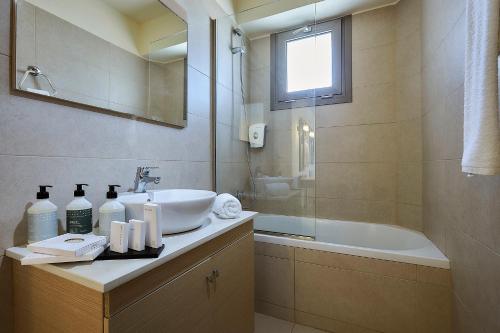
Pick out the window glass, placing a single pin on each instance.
(309, 62)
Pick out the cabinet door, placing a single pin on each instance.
(182, 305)
(234, 287)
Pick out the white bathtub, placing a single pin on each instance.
(380, 241)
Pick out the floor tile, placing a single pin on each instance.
(267, 324)
(305, 329)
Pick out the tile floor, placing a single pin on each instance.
(266, 324)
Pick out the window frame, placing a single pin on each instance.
(341, 90)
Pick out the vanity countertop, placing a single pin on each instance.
(105, 275)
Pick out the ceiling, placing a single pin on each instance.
(138, 10)
(276, 16)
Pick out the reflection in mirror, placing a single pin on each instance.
(127, 56)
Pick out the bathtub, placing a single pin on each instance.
(379, 241)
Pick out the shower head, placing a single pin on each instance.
(239, 49)
(238, 31)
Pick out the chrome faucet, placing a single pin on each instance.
(142, 178)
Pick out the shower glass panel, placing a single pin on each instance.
(274, 176)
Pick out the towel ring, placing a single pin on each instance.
(36, 71)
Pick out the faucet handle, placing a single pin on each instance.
(144, 170)
(147, 167)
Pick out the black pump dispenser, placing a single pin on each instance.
(111, 194)
(43, 194)
(79, 192)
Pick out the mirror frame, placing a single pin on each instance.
(14, 90)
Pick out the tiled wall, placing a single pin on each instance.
(43, 143)
(461, 214)
(346, 294)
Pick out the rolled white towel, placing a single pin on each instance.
(226, 206)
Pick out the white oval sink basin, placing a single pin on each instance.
(181, 210)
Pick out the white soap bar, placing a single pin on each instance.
(119, 237)
(137, 235)
(152, 218)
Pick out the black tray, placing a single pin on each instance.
(148, 252)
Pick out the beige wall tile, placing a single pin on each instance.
(355, 263)
(274, 280)
(433, 308)
(408, 18)
(409, 104)
(410, 183)
(475, 274)
(408, 54)
(356, 210)
(373, 66)
(260, 53)
(5, 27)
(367, 143)
(410, 216)
(370, 181)
(434, 214)
(433, 275)
(463, 320)
(274, 250)
(371, 104)
(410, 140)
(373, 28)
(454, 47)
(367, 300)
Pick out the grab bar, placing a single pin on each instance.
(36, 71)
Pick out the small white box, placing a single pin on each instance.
(153, 231)
(137, 235)
(119, 237)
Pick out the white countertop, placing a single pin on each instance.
(105, 275)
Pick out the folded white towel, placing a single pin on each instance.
(481, 111)
(226, 206)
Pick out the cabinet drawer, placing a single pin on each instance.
(182, 305)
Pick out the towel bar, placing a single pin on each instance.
(36, 71)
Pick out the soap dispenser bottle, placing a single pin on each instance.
(79, 213)
(111, 210)
(42, 217)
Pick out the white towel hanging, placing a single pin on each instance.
(481, 105)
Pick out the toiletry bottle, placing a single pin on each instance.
(79, 213)
(42, 217)
(111, 210)
(153, 230)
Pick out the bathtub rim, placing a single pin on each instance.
(404, 256)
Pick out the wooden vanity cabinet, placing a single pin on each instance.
(210, 289)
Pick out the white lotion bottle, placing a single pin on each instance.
(111, 210)
(79, 213)
(42, 217)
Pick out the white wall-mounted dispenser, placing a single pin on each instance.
(256, 135)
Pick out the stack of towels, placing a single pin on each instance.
(227, 206)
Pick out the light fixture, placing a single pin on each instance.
(311, 134)
(305, 128)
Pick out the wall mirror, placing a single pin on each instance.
(125, 56)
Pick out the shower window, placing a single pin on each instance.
(311, 65)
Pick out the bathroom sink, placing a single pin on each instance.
(181, 210)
